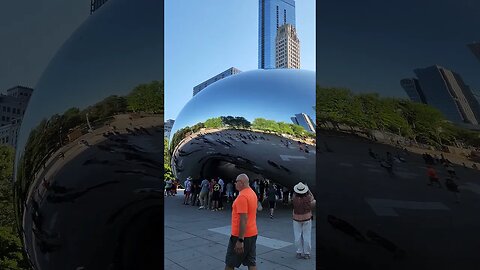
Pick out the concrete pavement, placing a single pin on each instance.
(198, 239)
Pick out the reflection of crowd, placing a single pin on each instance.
(433, 177)
(431, 161)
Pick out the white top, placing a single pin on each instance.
(220, 181)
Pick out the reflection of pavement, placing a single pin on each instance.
(197, 239)
(70, 151)
(423, 221)
(267, 155)
(92, 199)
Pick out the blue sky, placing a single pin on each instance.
(370, 45)
(204, 38)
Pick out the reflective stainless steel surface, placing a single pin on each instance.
(89, 159)
(249, 137)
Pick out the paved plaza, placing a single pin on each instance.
(198, 239)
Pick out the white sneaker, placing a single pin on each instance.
(201, 207)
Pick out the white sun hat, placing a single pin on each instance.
(300, 188)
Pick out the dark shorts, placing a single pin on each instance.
(216, 196)
(247, 258)
(272, 204)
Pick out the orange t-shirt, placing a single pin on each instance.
(246, 202)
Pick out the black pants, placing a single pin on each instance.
(247, 258)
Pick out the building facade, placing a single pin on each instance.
(413, 90)
(226, 73)
(445, 90)
(304, 121)
(272, 15)
(167, 126)
(475, 48)
(96, 4)
(287, 47)
(12, 109)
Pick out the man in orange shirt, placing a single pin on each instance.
(432, 176)
(243, 241)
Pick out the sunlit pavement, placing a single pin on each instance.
(198, 239)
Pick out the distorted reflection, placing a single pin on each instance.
(260, 122)
(401, 188)
(89, 159)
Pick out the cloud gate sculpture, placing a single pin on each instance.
(260, 122)
(88, 167)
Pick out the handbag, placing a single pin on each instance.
(259, 207)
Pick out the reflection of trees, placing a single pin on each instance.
(50, 135)
(281, 128)
(146, 98)
(227, 121)
(261, 124)
(416, 121)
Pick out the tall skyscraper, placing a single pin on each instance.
(96, 4)
(287, 47)
(167, 126)
(475, 48)
(413, 90)
(305, 121)
(446, 91)
(226, 73)
(272, 15)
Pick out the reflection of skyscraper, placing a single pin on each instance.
(305, 121)
(475, 48)
(168, 127)
(446, 91)
(96, 4)
(414, 92)
(226, 73)
(272, 15)
(287, 47)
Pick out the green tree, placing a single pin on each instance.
(214, 123)
(107, 107)
(6, 188)
(146, 98)
(285, 128)
(11, 251)
(334, 105)
(264, 124)
(167, 170)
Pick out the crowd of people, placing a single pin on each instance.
(214, 194)
(171, 187)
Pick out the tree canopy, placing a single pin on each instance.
(11, 251)
(146, 98)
